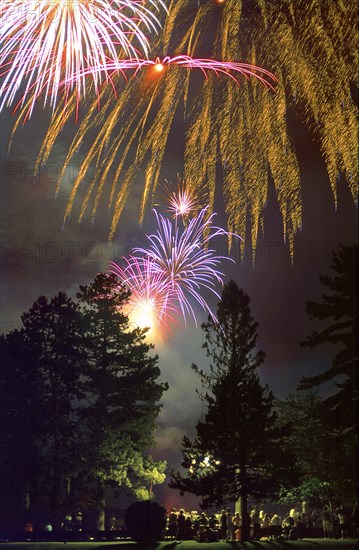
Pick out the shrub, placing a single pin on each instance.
(146, 521)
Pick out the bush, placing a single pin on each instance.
(146, 521)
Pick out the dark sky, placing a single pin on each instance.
(39, 256)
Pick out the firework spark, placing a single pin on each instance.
(44, 43)
(228, 68)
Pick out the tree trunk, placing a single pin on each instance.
(246, 522)
(56, 488)
(100, 506)
(27, 499)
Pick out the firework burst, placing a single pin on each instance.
(151, 303)
(182, 202)
(235, 136)
(135, 121)
(183, 259)
(44, 43)
(175, 268)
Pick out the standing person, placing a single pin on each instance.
(287, 525)
(48, 530)
(265, 525)
(188, 533)
(111, 524)
(67, 522)
(203, 520)
(172, 523)
(343, 522)
(276, 526)
(29, 527)
(223, 525)
(77, 521)
(181, 525)
(237, 526)
(229, 525)
(195, 522)
(355, 520)
(326, 522)
(302, 525)
(255, 521)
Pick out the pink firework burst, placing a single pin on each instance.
(151, 302)
(181, 202)
(45, 43)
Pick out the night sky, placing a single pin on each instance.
(41, 257)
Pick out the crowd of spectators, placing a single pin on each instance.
(295, 525)
(328, 522)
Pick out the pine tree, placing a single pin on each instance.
(51, 328)
(230, 456)
(323, 470)
(338, 314)
(120, 381)
(40, 382)
(79, 400)
(19, 427)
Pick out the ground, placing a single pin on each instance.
(308, 544)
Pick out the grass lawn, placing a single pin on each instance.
(308, 544)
